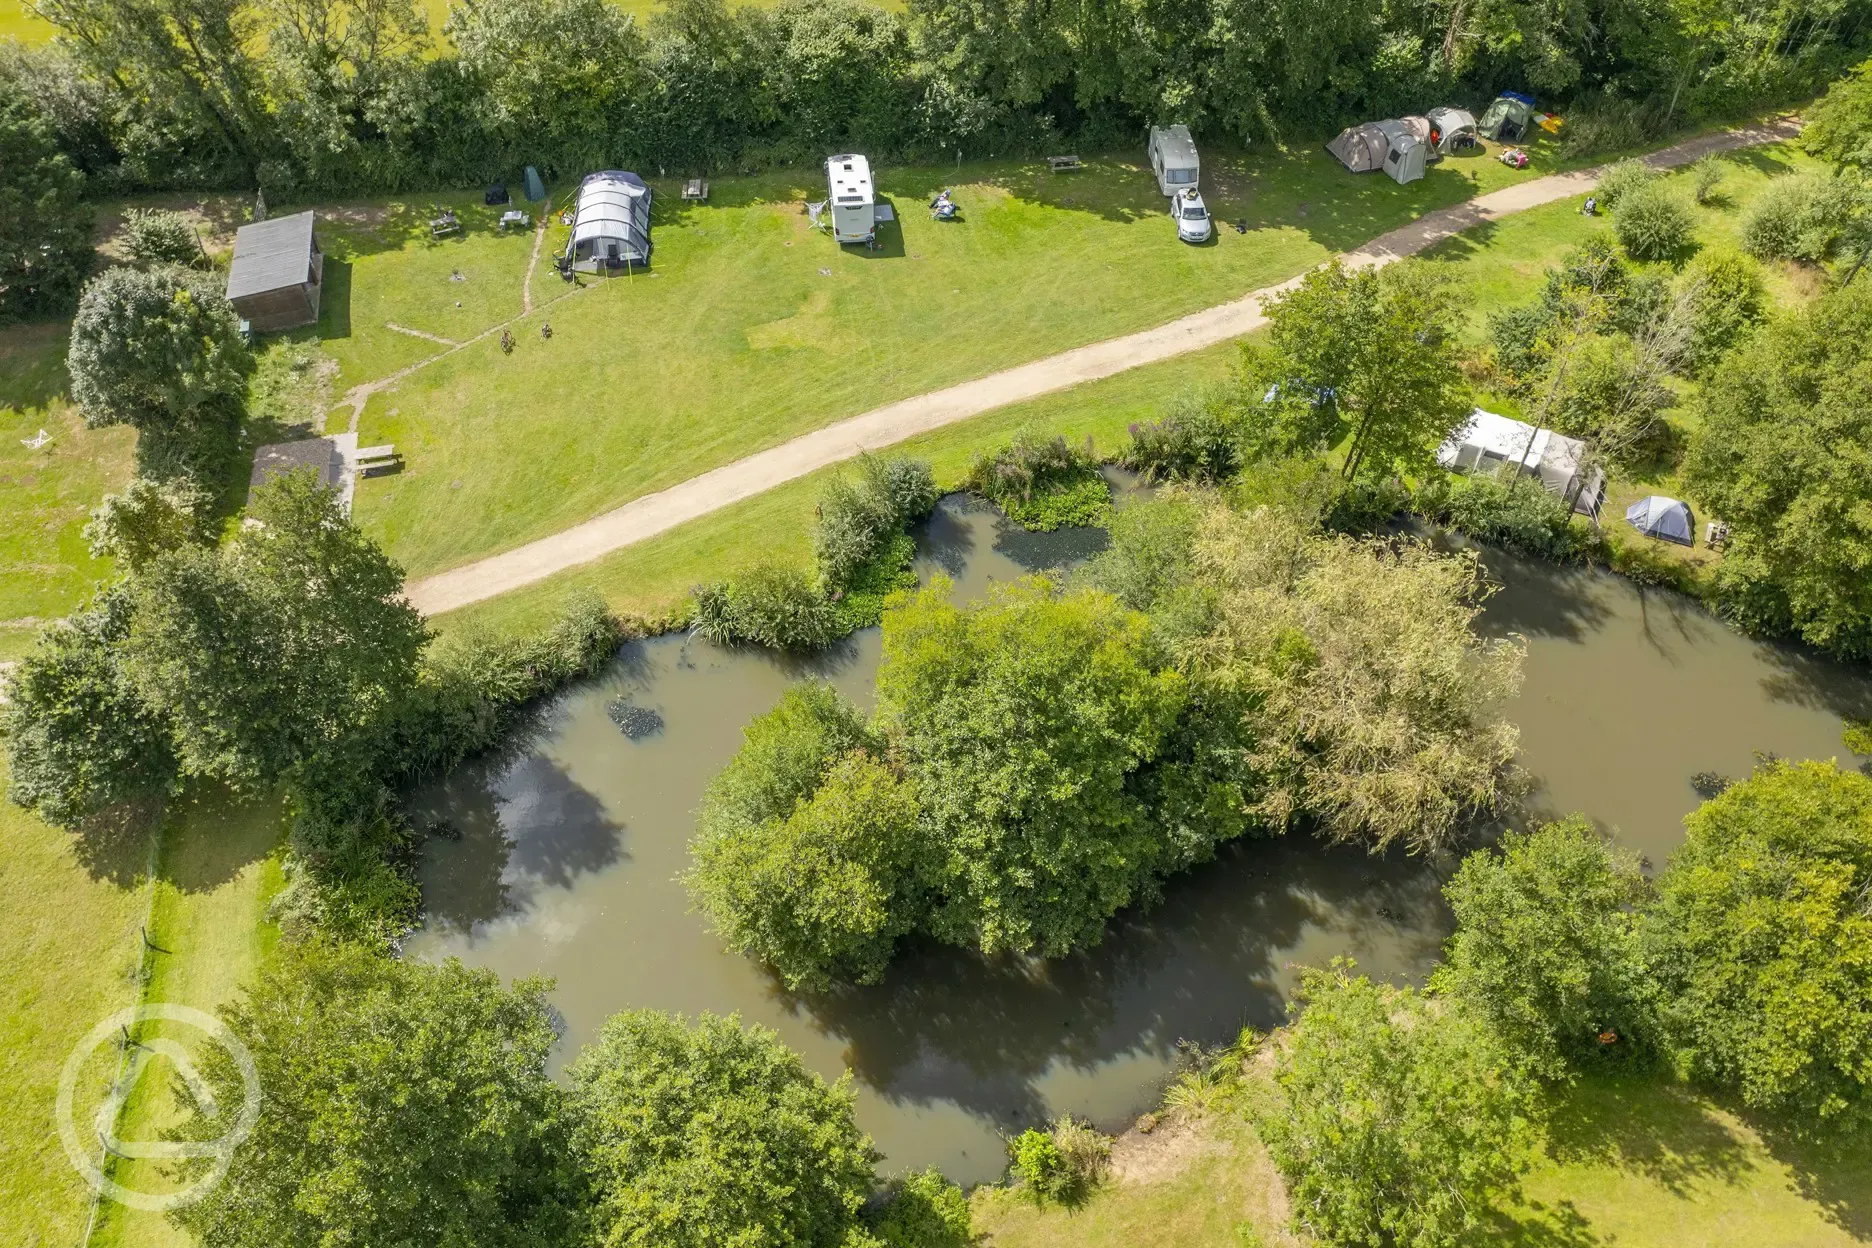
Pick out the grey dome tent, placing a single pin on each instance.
(1666, 519)
(611, 225)
(1451, 130)
(1405, 151)
(1362, 149)
(1507, 119)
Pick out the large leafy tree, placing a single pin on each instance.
(158, 349)
(403, 1105)
(1362, 358)
(1023, 718)
(1374, 707)
(1783, 453)
(45, 229)
(1398, 1120)
(277, 647)
(1839, 124)
(808, 853)
(78, 738)
(707, 1134)
(1762, 944)
(1545, 945)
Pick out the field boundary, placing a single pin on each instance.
(652, 514)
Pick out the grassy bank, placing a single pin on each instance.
(1633, 1163)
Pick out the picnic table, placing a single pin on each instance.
(378, 461)
(696, 188)
(1064, 164)
(444, 222)
(514, 217)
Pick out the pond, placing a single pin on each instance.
(571, 843)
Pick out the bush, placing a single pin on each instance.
(1395, 1121)
(1725, 293)
(1062, 1163)
(45, 225)
(146, 520)
(1705, 176)
(1623, 179)
(1195, 441)
(1520, 516)
(1651, 224)
(157, 236)
(923, 1210)
(1614, 396)
(859, 520)
(1763, 945)
(1545, 946)
(769, 605)
(1042, 483)
(1802, 216)
(712, 1134)
(1518, 335)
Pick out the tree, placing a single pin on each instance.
(1762, 944)
(277, 647)
(711, 1134)
(78, 738)
(1022, 719)
(1726, 294)
(45, 227)
(1783, 454)
(1396, 1120)
(1358, 357)
(1544, 949)
(160, 350)
(146, 520)
(403, 1104)
(824, 892)
(1838, 126)
(1373, 706)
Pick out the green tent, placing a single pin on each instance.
(1508, 118)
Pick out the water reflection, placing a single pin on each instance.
(571, 846)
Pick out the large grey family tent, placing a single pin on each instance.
(1487, 442)
(1666, 519)
(1451, 130)
(1404, 157)
(1362, 149)
(277, 274)
(1508, 118)
(611, 224)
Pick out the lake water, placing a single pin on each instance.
(571, 843)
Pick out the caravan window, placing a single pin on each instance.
(1178, 177)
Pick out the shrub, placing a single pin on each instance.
(923, 1210)
(1652, 224)
(1395, 1121)
(859, 520)
(1519, 516)
(1545, 947)
(769, 605)
(158, 236)
(1725, 294)
(1614, 396)
(1042, 483)
(1762, 944)
(1705, 176)
(712, 1134)
(1802, 216)
(1518, 335)
(1622, 179)
(1195, 441)
(1061, 1163)
(45, 225)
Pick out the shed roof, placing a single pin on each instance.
(269, 255)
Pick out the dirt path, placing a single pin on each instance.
(526, 286)
(652, 514)
(421, 333)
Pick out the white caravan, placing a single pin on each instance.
(1173, 159)
(854, 202)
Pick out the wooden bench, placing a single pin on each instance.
(1064, 164)
(378, 461)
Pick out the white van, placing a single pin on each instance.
(1173, 159)
(853, 202)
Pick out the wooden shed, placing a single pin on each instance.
(277, 273)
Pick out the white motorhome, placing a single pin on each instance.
(1173, 159)
(853, 201)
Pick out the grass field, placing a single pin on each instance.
(751, 328)
(1630, 1163)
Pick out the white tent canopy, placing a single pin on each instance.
(1488, 441)
(611, 225)
(1450, 130)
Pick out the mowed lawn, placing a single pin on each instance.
(750, 328)
(1631, 1163)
